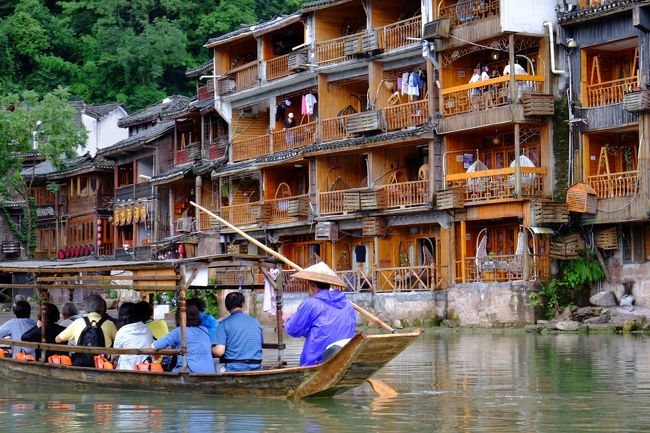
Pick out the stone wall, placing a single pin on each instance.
(637, 272)
(494, 304)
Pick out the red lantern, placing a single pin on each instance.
(181, 250)
(99, 230)
(99, 243)
(61, 254)
(91, 248)
(99, 222)
(68, 252)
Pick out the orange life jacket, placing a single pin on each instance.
(22, 356)
(101, 362)
(2, 353)
(149, 366)
(59, 360)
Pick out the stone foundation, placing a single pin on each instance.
(637, 272)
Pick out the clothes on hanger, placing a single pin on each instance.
(310, 101)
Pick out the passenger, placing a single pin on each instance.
(96, 307)
(325, 317)
(199, 355)
(158, 328)
(239, 338)
(52, 329)
(207, 320)
(133, 334)
(15, 328)
(69, 313)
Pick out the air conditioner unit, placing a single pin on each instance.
(298, 60)
(326, 231)
(437, 29)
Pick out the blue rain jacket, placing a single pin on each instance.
(322, 319)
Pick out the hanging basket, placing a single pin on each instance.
(607, 239)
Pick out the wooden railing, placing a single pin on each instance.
(240, 214)
(469, 11)
(499, 184)
(586, 4)
(294, 285)
(105, 249)
(332, 51)
(404, 115)
(206, 222)
(277, 68)
(414, 193)
(400, 34)
(332, 202)
(610, 92)
(335, 128)
(487, 94)
(240, 78)
(205, 92)
(279, 207)
(502, 268)
(395, 279)
(251, 148)
(613, 185)
(293, 138)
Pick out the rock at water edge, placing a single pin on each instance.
(604, 299)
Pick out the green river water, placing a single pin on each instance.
(449, 381)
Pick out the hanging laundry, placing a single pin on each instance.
(405, 83)
(303, 105)
(310, 101)
(412, 88)
(269, 302)
(399, 83)
(280, 113)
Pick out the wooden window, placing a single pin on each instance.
(633, 243)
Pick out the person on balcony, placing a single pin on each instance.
(519, 70)
(475, 93)
(325, 317)
(289, 123)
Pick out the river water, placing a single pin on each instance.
(448, 381)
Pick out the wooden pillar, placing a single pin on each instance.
(584, 99)
(279, 284)
(44, 295)
(517, 160)
(511, 61)
(526, 257)
(583, 172)
(378, 92)
(463, 248)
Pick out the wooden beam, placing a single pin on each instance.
(89, 287)
(109, 278)
(86, 349)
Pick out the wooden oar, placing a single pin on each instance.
(377, 385)
(277, 255)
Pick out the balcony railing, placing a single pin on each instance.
(487, 94)
(586, 4)
(333, 50)
(395, 279)
(404, 115)
(134, 191)
(251, 148)
(206, 92)
(614, 185)
(188, 154)
(277, 68)
(206, 222)
(293, 138)
(610, 92)
(240, 214)
(502, 268)
(105, 249)
(281, 208)
(499, 184)
(400, 34)
(335, 128)
(332, 202)
(240, 78)
(404, 194)
(468, 11)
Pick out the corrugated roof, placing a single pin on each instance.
(155, 112)
(141, 138)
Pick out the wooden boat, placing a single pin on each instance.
(362, 357)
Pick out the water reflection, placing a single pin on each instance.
(470, 381)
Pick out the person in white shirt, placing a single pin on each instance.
(521, 86)
(475, 93)
(133, 334)
(519, 70)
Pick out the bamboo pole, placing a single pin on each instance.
(279, 256)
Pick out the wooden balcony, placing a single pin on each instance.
(134, 191)
(206, 222)
(334, 50)
(240, 214)
(614, 185)
(251, 148)
(206, 92)
(187, 154)
(277, 68)
(610, 92)
(494, 269)
(400, 33)
(216, 151)
(498, 185)
(332, 202)
(293, 138)
(238, 79)
(335, 128)
(287, 209)
(470, 20)
(82, 203)
(395, 279)
(487, 94)
(405, 115)
(407, 194)
(105, 250)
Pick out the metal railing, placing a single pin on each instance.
(612, 185)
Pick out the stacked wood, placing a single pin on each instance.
(566, 247)
(237, 249)
(370, 41)
(326, 231)
(637, 101)
(453, 198)
(352, 46)
(351, 201)
(582, 198)
(298, 60)
(368, 121)
(374, 226)
(550, 213)
(373, 199)
(538, 104)
(607, 239)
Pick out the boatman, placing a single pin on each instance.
(325, 317)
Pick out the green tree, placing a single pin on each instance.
(27, 121)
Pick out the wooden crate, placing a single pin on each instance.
(437, 29)
(368, 121)
(373, 226)
(582, 198)
(298, 207)
(566, 247)
(637, 101)
(326, 231)
(370, 41)
(261, 213)
(351, 201)
(352, 46)
(550, 213)
(237, 249)
(537, 104)
(607, 239)
(453, 198)
(373, 199)
(298, 60)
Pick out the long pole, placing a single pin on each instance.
(279, 256)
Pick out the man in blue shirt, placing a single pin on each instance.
(323, 318)
(15, 328)
(239, 338)
(207, 320)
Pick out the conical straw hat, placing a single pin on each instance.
(320, 272)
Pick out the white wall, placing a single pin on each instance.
(104, 132)
(527, 16)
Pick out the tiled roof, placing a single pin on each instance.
(319, 4)
(250, 28)
(82, 163)
(238, 32)
(99, 111)
(143, 137)
(155, 112)
(598, 11)
(197, 71)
